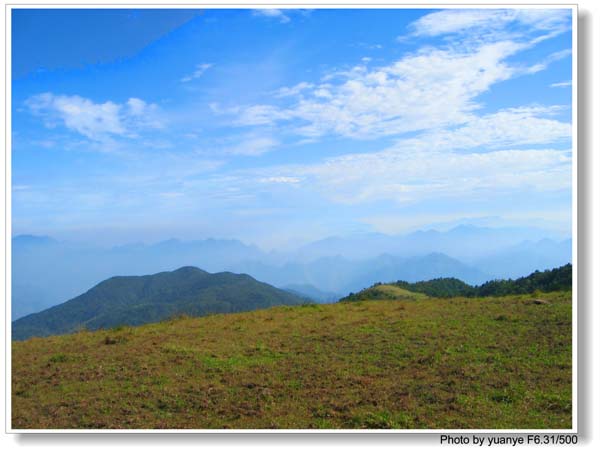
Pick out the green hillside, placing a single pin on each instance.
(136, 300)
(384, 292)
(559, 279)
(422, 363)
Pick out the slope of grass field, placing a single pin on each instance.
(485, 363)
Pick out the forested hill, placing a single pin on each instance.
(559, 279)
(136, 300)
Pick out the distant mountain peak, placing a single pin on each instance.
(32, 239)
(168, 242)
(433, 256)
(189, 270)
(467, 226)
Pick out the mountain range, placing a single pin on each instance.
(136, 300)
(46, 272)
(338, 274)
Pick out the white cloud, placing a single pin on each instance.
(427, 89)
(272, 13)
(446, 163)
(491, 20)
(198, 72)
(284, 180)
(256, 114)
(252, 146)
(369, 46)
(140, 114)
(510, 127)
(294, 90)
(93, 120)
(405, 176)
(96, 121)
(543, 65)
(137, 107)
(561, 84)
(556, 56)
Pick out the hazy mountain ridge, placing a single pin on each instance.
(527, 257)
(464, 242)
(312, 293)
(339, 275)
(46, 272)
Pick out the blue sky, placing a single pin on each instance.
(278, 127)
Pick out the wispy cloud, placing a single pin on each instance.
(284, 180)
(553, 57)
(281, 15)
(427, 89)
(561, 84)
(257, 114)
(294, 90)
(405, 176)
(251, 146)
(96, 121)
(512, 127)
(272, 13)
(447, 163)
(197, 73)
(430, 88)
(486, 21)
(369, 46)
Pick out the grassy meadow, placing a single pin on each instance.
(411, 363)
